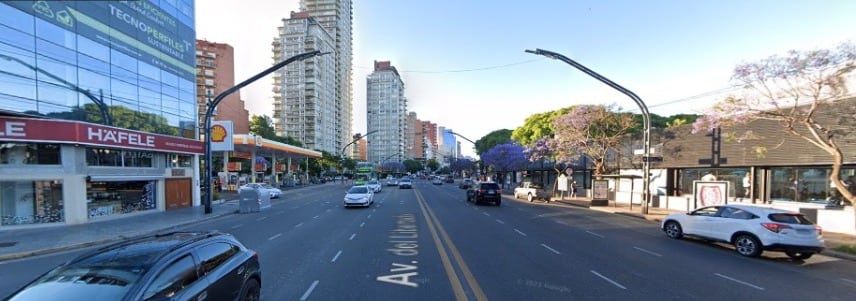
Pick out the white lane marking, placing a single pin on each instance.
(309, 291)
(362, 224)
(649, 252)
(295, 207)
(551, 249)
(370, 216)
(849, 280)
(275, 236)
(237, 226)
(500, 221)
(316, 216)
(595, 234)
(337, 256)
(521, 233)
(485, 213)
(328, 210)
(609, 280)
(261, 218)
(375, 209)
(741, 282)
(352, 236)
(298, 225)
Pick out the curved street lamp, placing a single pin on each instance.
(646, 118)
(357, 137)
(213, 105)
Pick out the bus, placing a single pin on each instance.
(365, 171)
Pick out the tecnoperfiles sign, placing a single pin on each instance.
(140, 29)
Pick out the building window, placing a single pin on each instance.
(29, 153)
(119, 197)
(118, 158)
(176, 160)
(31, 202)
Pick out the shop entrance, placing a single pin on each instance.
(178, 193)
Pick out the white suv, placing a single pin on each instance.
(750, 229)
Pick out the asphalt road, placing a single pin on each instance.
(428, 243)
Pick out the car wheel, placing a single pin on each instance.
(251, 291)
(673, 230)
(498, 203)
(799, 255)
(747, 245)
(530, 198)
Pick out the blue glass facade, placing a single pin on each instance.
(129, 64)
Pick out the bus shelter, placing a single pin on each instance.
(265, 156)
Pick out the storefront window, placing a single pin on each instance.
(111, 198)
(31, 202)
(119, 158)
(807, 184)
(176, 160)
(29, 153)
(735, 176)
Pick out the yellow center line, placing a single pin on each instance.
(453, 278)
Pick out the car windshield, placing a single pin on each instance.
(83, 283)
(373, 182)
(358, 190)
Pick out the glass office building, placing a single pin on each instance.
(97, 109)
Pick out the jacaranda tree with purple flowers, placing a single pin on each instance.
(591, 131)
(790, 89)
(505, 157)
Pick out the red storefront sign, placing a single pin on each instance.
(68, 131)
(233, 166)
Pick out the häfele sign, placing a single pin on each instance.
(69, 131)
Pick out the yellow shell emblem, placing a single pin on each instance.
(218, 133)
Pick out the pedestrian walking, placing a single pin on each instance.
(574, 189)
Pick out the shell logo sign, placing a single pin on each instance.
(218, 133)
(221, 136)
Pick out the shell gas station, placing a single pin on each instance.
(273, 162)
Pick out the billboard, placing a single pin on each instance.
(140, 29)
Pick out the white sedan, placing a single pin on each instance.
(751, 229)
(374, 185)
(274, 192)
(359, 196)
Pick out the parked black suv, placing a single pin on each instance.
(485, 192)
(171, 266)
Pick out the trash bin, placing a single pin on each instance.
(253, 200)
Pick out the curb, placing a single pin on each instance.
(19, 255)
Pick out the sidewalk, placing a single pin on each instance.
(43, 239)
(657, 214)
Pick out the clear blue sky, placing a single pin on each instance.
(667, 52)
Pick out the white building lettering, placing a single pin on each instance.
(13, 129)
(120, 137)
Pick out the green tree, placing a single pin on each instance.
(263, 126)
(492, 139)
(412, 166)
(432, 164)
(536, 127)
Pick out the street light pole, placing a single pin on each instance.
(646, 118)
(211, 105)
(357, 137)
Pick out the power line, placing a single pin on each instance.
(460, 70)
